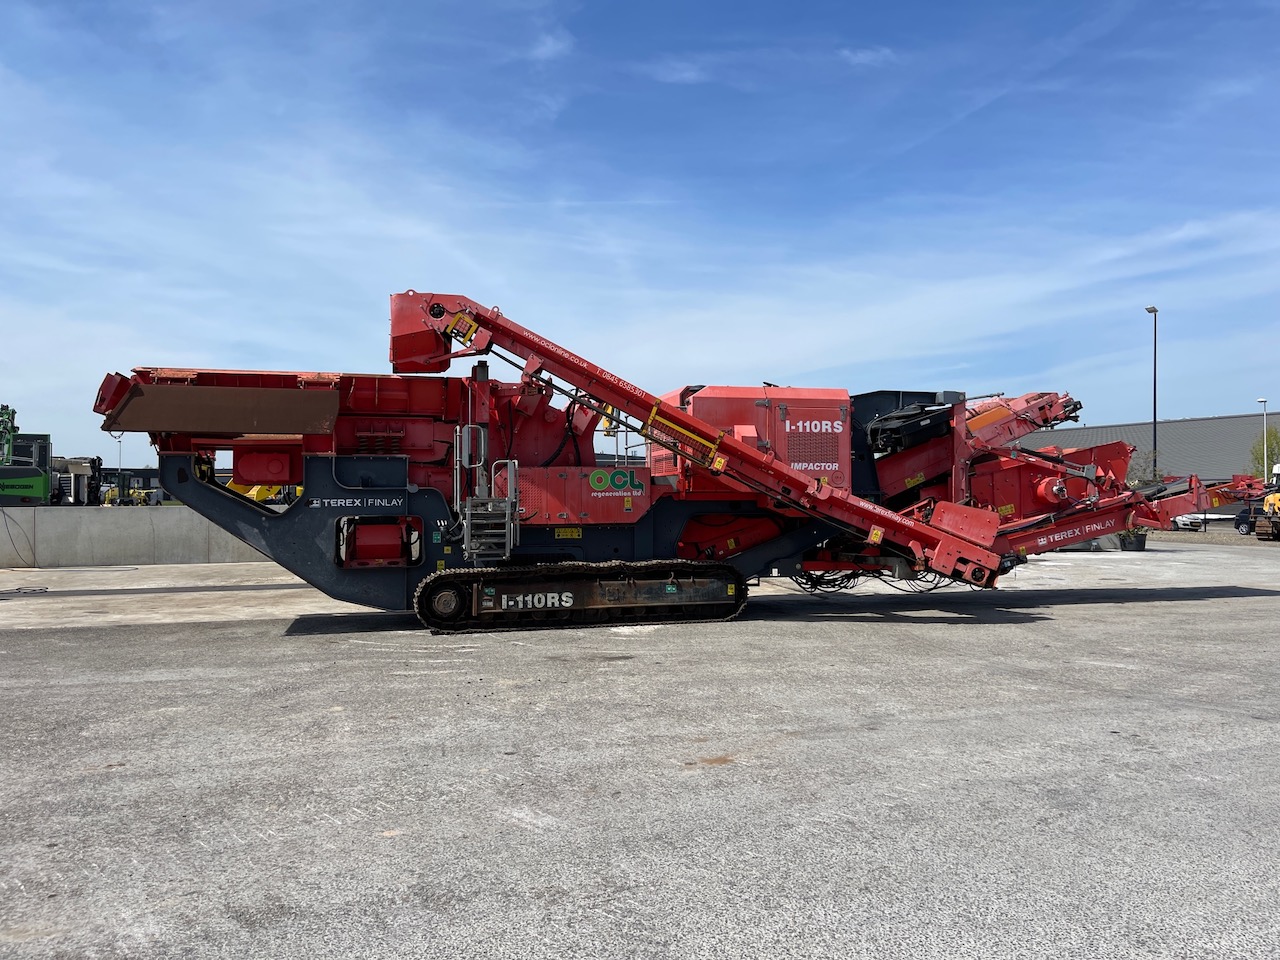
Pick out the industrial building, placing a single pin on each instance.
(1213, 448)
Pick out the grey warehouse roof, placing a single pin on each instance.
(1211, 447)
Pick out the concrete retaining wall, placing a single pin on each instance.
(107, 536)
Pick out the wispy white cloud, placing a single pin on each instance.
(867, 56)
(1213, 94)
(971, 79)
(552, 45)
(673, 70)
(544, 106)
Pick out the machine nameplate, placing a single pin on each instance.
(537, 601)
(814, 426)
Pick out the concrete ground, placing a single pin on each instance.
(216, 761)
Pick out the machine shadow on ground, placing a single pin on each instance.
(994, 608)
(982, 607)
(331, 624)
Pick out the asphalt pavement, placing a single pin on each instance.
(216, 761)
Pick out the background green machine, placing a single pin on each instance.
(25, 464)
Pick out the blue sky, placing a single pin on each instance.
(979, 196)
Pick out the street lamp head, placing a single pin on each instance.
(1262, 399)
(1151, 310)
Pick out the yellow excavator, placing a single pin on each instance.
(265, 492)
(1268, 524)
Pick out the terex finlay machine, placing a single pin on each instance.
(481, 504)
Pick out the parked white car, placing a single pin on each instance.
(1188, 521)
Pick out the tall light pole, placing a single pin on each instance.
(1266, 454)
(1155, 326)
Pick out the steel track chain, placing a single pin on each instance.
(529, 576)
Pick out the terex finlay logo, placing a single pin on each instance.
(355, 502)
